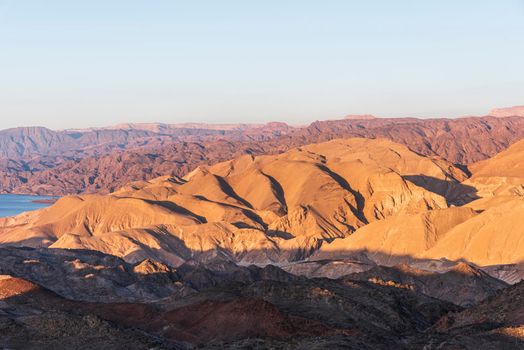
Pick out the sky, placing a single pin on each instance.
(69, 64)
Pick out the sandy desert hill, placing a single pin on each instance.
(502, 174)
(363, 199)
(249, 207)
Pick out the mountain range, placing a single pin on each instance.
(360, 233)
(101, 160)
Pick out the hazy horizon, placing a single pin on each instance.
(100, 63)
(225, 122)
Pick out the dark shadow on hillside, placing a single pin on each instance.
(177, 209)
(248, 213)
(278, 190)
(464, 168)
(345, 262)
(280, 234)
(455, 193)
(227, 189)
(358, 211)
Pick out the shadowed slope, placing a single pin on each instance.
(495, 323)
(475, 285)
(241, 303)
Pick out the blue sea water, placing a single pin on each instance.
(13, 204)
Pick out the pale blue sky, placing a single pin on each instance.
(85, 63)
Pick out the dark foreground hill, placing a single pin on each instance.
(66, 299)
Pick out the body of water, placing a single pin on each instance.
(13, 204)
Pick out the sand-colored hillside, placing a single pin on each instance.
(502, 174)
(401, 238)
(254, 209)
(495, 236)
(492, 237)
(363, 199)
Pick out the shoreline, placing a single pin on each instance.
(45, 201)
(48, 200)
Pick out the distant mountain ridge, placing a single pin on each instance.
(30, 142)
(165, 127)
(43, 161)
(515, 111)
